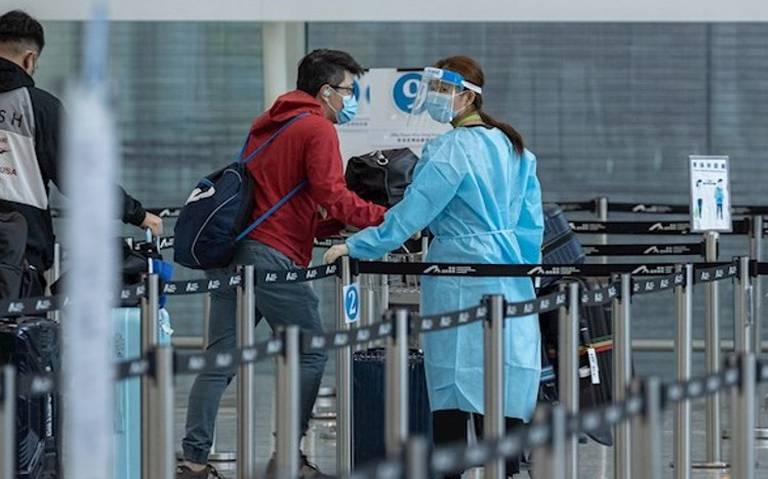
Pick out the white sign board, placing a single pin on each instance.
(352, 303)
(710, 194)
(385, 96)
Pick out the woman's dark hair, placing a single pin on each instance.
(471, 71)
(325, 67)
(17, 26)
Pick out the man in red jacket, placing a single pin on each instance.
(307, 150)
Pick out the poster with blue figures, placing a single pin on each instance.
(710, 194)
(352, 302)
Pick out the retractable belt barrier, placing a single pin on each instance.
(193, 363)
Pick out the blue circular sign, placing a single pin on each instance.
(352, 304)
(405, 90)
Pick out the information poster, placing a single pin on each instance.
(710, 194)
(385, 96)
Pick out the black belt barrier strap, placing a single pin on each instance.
(660, 249)
(31, 306)
(619, 207)
(704, 273)
(193, 363)
(198, 286)
(544, 304)
(439, 322)
(296, 276)
(651, 285)
(350, 337)
(598, 297)
(647, 227)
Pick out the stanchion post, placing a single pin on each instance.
(742, 335)
(568, 381)
(343, 381)
(150, 310)
(288, 428)
(417, 458)
(646, 431)
(713, 459)
(550, 460)
(756, 254)
(163, 462)
(396, 385)
(8, 423)
(246, 387)
(622, 374)
(684, 365)
(743, 414)
(493, 347)
(602, 215)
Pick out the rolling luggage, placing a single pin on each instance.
(31, 344)
(127, 408)
(368, 403)
(595, 332)
(560, 244)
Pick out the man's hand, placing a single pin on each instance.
(335, 252)
(154, 223)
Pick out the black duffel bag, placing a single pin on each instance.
(381, 176)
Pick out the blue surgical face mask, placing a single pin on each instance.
(440, 106)
(348, 110)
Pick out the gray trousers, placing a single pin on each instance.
(281, 305)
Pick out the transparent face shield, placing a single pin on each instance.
(436, 95)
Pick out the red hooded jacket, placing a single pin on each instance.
(306, 150)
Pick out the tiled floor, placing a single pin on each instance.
(595, 461)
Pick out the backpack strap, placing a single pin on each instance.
(269, 140)
(285, 198)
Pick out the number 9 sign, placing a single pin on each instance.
(405, 90)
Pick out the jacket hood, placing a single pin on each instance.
(13, 77)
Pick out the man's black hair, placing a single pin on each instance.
(17, 26)
(325, 67)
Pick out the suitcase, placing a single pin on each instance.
(368, 403)
(127, 426)
(31, 344)
(560, 244)
(595, 331)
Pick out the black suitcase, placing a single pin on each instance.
(560, 244)
(595, 332)
(31, 344)
(368, 403)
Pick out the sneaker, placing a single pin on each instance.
(210, 472)
(307, 470)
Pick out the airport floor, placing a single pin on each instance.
(595, 461)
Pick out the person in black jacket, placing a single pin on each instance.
(30, 134)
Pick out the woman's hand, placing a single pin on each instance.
(335, 252)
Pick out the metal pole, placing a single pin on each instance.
(602, 215)
(568, 381)
(493, 347)
(646, 460)
(246, 384)
(150, 310)
(288, 428)
(713, 458)
(417, 459)
(54, 275)
(215, 455)
(684, 362)
(396, 385)
(343, 381)
(622, 374)
(163, 462)
(756, 254)
(743, 409)
(742, 335)
(550, 460)
(8, 423)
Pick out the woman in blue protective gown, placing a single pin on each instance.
(476, 189)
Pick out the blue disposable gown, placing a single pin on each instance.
(482, 201)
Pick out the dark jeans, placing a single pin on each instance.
(280, 305)
(450, 427)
